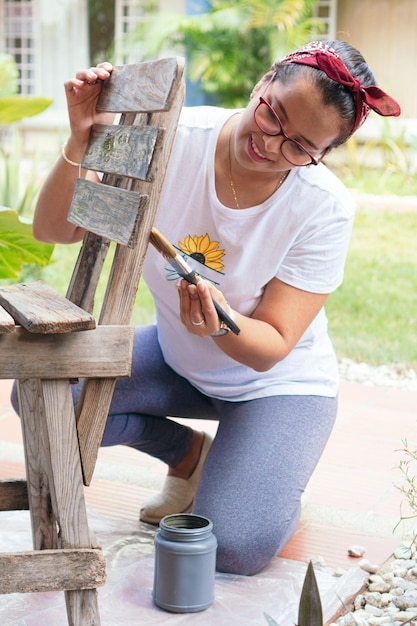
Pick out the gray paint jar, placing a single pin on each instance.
(185, 563)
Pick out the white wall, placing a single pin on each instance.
(63, 45)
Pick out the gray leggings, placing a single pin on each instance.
(263, 455)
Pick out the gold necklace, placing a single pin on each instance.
(232, 186)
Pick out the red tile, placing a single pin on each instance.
(332, 544)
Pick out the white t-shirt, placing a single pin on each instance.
(300, 235)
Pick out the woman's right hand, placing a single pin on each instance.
(50, 221)
(82, 93)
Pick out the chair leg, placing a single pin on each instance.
(82, 608)
(61, 467)
(44, 531)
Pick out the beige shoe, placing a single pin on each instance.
(177, 495)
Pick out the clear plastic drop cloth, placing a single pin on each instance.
(126, 597)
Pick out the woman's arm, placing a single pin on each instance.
(265, 338)
(50, 220)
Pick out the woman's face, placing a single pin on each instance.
(303, 117)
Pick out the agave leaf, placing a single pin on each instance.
(310, 611)
(18, 246)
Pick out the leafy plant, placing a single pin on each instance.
(17, 245)
(408, 485)
(231, 45)
(18, 248)
(14, 107)
(399, 149)
(310, 612)
(391, 153)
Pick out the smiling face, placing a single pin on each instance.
(304, 119)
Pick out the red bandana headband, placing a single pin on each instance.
(325, 58)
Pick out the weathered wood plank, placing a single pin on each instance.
(7, 324)
(108, 211)
(82, 607)
(52, 570)
(91, 420)
(121, 150)
(13, 495)
(67, 492)
(40, 309)
(103, 352)
(137, 88)
(65, 476)
(37, 461)
(87, 271)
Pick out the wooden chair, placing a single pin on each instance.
(47, 341)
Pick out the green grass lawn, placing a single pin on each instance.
(373, 315)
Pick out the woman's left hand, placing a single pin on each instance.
(197, 311)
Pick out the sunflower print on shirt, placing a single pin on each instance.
(205, 256)
(203, 250)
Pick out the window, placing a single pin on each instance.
(326, 12)
(17, 19)
(129, 13)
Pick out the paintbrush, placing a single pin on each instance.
(175, 259)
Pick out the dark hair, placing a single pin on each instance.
(333, 93)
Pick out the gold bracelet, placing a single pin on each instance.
(67, 159)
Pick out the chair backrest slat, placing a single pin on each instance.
(140, 88)
(116, 211)
(122, 150)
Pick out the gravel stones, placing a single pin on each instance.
(395, 375)
(356, 551)
(391, 593)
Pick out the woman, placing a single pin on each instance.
(268, 233)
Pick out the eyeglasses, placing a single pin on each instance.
(269, 123)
